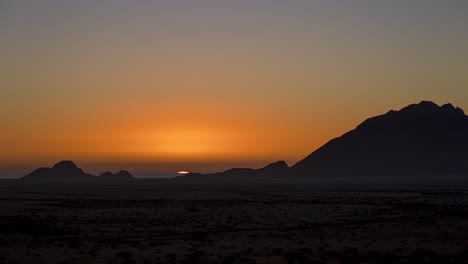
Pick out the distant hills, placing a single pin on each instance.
(276, 169)
(419, 139)
(122, 175)
(68, 171)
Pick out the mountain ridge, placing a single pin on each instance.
(422, 138)
(419, 138)
(68, 171)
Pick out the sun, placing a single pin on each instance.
(183, 172)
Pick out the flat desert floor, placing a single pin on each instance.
(155, 222)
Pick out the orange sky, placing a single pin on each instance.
(162, 86)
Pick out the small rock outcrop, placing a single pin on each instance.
(121, 175)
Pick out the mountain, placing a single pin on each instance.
(421, 138)
(68, 171)
(121, 175)
(64, 170)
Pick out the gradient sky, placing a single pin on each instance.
(205, 85)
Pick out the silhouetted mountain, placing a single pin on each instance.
(64, 170)
(244, 174)
(67, 170)
(124, 174)
(421, 138)
(121, 175)
(107, 174)
(274, 168)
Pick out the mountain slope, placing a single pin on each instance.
(419, 139)
(64, 170)
(239, 174)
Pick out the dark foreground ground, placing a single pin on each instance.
(154, 222)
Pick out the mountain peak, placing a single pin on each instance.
(66, 164)
(419, 138)
(276, 165)
(429, 107)
(423, 117)
(123, 174)
(107, 174)
(62, 170)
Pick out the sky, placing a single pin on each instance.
(159, 86)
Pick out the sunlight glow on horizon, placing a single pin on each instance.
(204, 85)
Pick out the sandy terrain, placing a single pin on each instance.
(153, 222)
